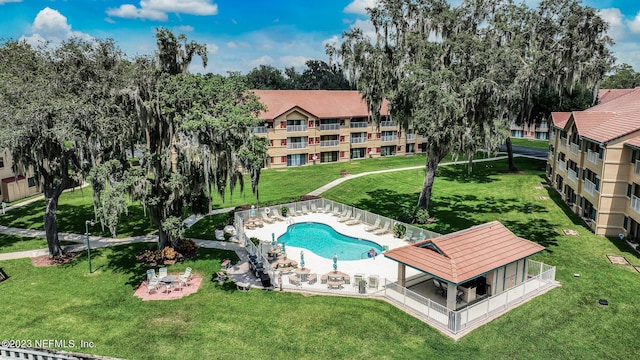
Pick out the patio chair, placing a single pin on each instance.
(266, 218)
(184, 278)
(346, 217)
(383, 230)
(373, 281)
(162, 276)
(355, 221)
(275, 215)
(375, 226)
(336, 211)
(312, 279)
(314, 208)
(459, 296)
(440, 288)
(305, 211)
(409, 236)
(294, 280)
(162, 272)
(327, 208)
(357, 278)
(152, 281)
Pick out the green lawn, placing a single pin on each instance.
(13, 243)
(219, 322)
(531, 143)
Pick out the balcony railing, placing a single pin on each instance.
(387, 123)
(359, 124)
(563, 141)
(411, 136)
(593, 157)
(589, 187)
(575, 148)
(297, 145)
(572, 175)
(389, 138)
(329, 127)
(296, 128)
(562, 165)
(637, 168)
(329, 143)
(260, 130)
(635, 203)
(358, 140)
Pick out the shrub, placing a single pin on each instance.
(255, 241)
(284, 211)
(185, 246)
(169, 253)
(415, 215)
(399, 230)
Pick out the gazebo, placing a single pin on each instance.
(486, 258)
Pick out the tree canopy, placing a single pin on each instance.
(458, 75)
(622, 77)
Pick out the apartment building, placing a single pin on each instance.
(14, 185)
(307, 127)
(530, 130)
(594, 162)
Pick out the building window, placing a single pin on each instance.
(625, 223)
(634, 156)
(1, 162)
(31, 181)
(629, 187)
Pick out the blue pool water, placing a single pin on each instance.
(323, 241)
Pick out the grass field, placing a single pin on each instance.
(219, 322)
(531, 143)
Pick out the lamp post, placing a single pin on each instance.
(86, 226)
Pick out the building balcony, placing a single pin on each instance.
(329, 143)
(572, 175)
(563, 141)
(550, 155)
(358, 140)
(635, 203)
(589, 187)
(636, 170)
(388, 138)
(593, 157)
(387, 124)
(324, 127)
(259, 130)
(562, 165)
(411, 136)
(297, 128)
(574, 148)
(297, 145)
(359, 124)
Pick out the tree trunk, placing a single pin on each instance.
(433, 159)
(52, 194)
(512, 165)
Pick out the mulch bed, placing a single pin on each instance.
(618, 260)
(45, 260)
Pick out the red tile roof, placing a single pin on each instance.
(323, 104)
(560, 118)
(609, 120)
(606, 95)
(634, 142)
(466, 254)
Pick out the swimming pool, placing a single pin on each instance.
(324, 241)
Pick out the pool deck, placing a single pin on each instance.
(379, 265)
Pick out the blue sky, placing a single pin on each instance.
(241, 34)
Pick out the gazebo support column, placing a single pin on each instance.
(452, 290)
(402, 274)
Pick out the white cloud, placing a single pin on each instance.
(212, 48)
(2, 2)
(51, 25)
(237, 44)
(614, 18)
(295, 61)
(359, 6)
(334, 40)
(183, 28)
(634, 25)
(262, 60)
(159, 9)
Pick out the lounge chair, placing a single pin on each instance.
(327, 208)
(275, 215)
(357, 278)
(346, 217)
(375, 226)
(354, 221)
(314, 208)
(409, 236)
(336, 211)
(440, 289)
(312, 278)
(266, 218)
(383, 230)
(305, 211)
